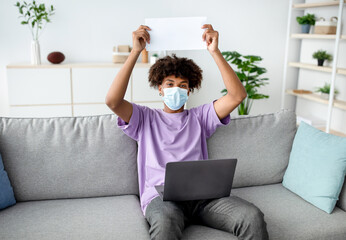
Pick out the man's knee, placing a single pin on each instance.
(254, 223)
(253, 215)
(166, 224)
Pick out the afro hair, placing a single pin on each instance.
(179, 67)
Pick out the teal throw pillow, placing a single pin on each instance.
(317, 167)
(6, 191)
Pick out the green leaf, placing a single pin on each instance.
(24, 22)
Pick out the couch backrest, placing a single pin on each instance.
(261, 143)
(68, 157)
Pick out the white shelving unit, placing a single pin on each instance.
(300, 7)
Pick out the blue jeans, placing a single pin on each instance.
(167, 219)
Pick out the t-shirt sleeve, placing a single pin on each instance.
(209, 119)
(135, 125)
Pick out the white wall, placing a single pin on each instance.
(86, 31)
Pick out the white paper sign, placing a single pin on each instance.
(183, 33)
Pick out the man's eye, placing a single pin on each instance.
(170, 84)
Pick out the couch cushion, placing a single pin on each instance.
(288, 216)
(317, 167)
(68, 157)
(118, 217)
(259, 143)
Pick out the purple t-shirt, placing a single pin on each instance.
(168, 137)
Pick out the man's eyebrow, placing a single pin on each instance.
(184, 81)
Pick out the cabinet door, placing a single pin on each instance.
(141, 91)
(41, 111)
(38, 86)
(91, 85)
(91, 109)
(158, 105)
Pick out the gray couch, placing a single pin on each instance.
(76, 178)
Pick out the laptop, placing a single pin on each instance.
(198, 179)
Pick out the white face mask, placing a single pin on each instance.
(175, 97)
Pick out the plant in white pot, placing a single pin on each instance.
(35, 15)
(325, 90)
(154, 58)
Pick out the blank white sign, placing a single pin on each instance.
(182, 33)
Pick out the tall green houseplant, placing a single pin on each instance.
(249, 73)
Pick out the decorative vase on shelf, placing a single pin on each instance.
(153, 59)
(326, 96)
(35, 52)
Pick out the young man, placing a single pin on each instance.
(177, 134)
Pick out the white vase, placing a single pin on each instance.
(153, 59)
(35, 52)
(326, 95)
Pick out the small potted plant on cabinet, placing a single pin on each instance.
(154, 58)
(325, 90)
(306, 22)
(321, 55)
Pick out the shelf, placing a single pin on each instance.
(75, 65)
(317, 98)
(316, 36)
(318, 4)
(316, 68)
(331, 131)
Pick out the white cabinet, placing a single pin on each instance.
(41, 111)
(90, 85)
(143, 92)
(90, 109)
(77, 89)
(38, 86)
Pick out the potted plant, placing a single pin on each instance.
(306, 22)
(325, 90)
(154, 58)
(249, 74)
(35, 15)
(321, 55)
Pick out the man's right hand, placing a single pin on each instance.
(140, 37)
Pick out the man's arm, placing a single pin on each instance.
(115, 96)
(235, 89)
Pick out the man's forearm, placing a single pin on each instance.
(118, 88)
(232, 83)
